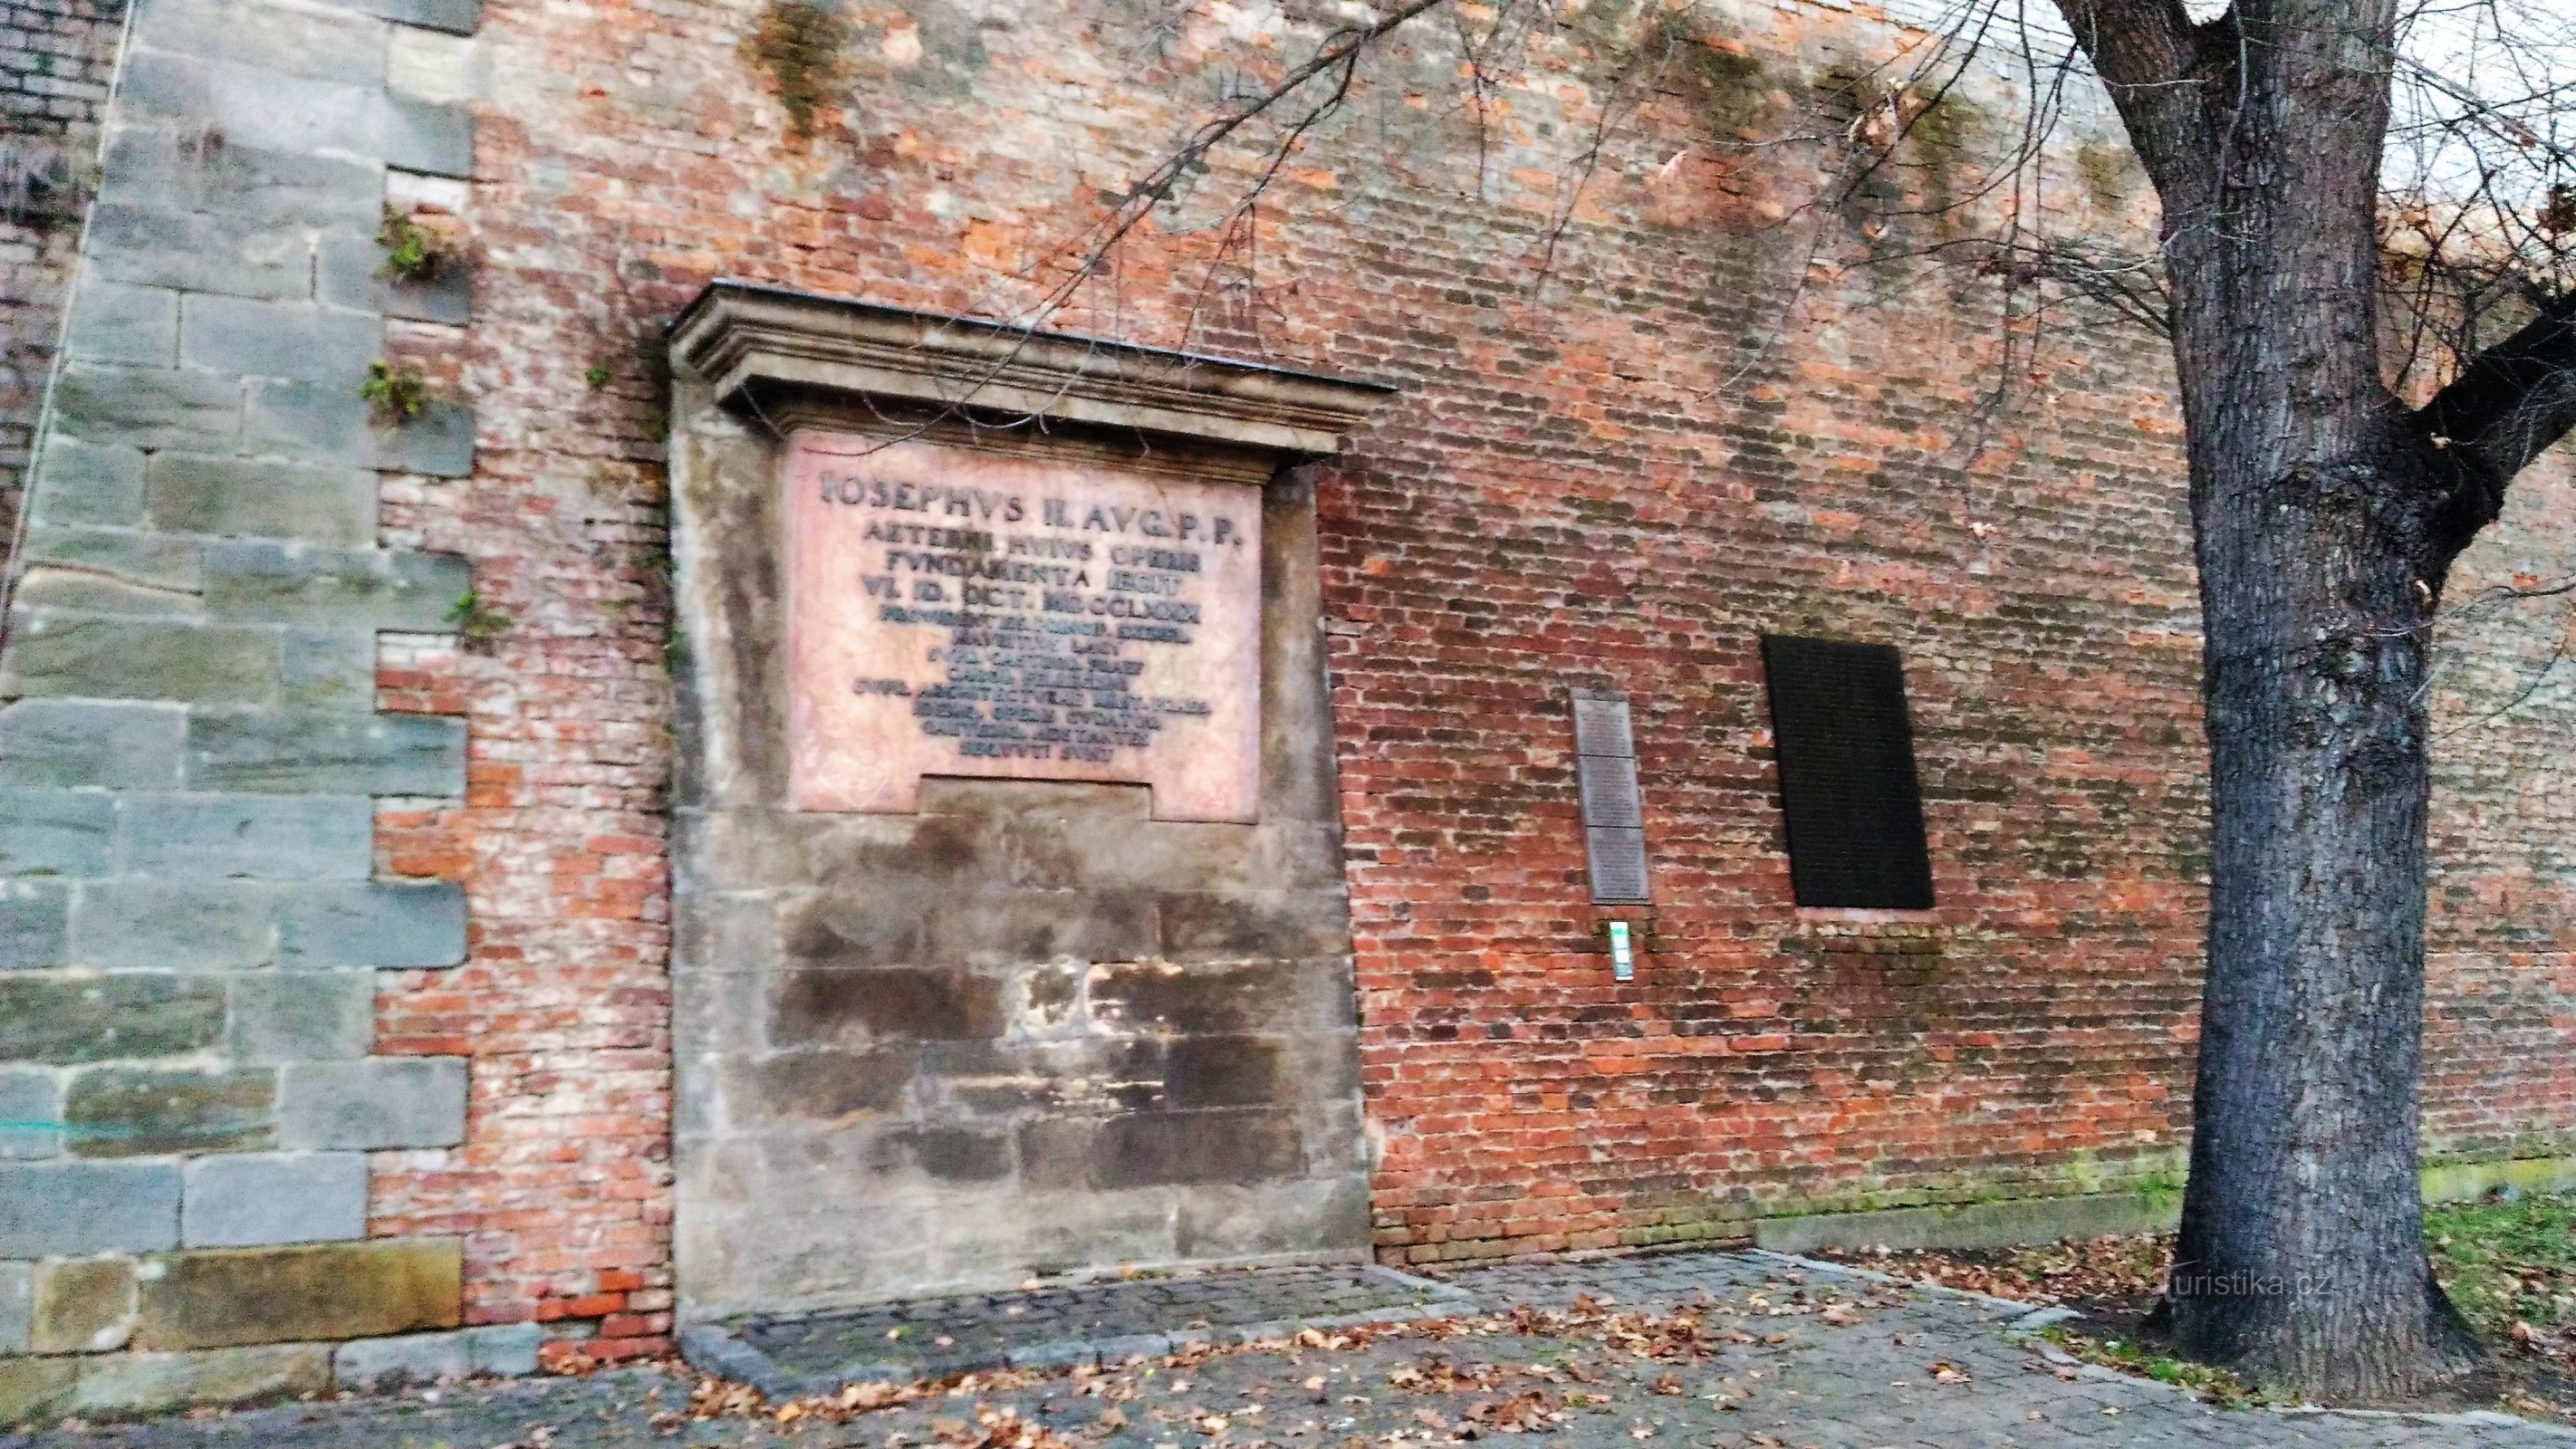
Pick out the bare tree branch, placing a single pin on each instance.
(2512, 401)
(2148, 56)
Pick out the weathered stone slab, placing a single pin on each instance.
(439, 442)
(303, 422)
(958, 613)
(100, 657)
(1143, 1149)
(374, 1103)
(297, 585)
(270, 37)
(65, 1207)
(294, 340)
(61, 591)
(88, 483)
(83, 1305)
(435, 140)
(138, 1384)
(144, 242)
(275, 837)
(112, 322)
(152, 924)
(143, 1111)
(148, 407)
(456, 17)
(17, 1309)
(349, 272)
(225, 1297)
(376, 923)
(67, 742)
(262, 498)
(342, 754)
(66, 1019)
(254, 104)
(375, 1365)
(55, 832)
(302, 1016)
(36, 1389)
(31, 1109)
(257, 1199)
(250, 188)
(1969, 1225)
(329, 669)
(126, 554)
(34, 922)
(503, 1350)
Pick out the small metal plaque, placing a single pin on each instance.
(1605, 767)
(1617, 855)
(1601, 726)
(1609, 790)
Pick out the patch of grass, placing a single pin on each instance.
(413, 253)
(476, 622)
(398, 394)
(2212, 1385)
(2509, 1260)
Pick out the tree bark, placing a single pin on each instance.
(2326, 519)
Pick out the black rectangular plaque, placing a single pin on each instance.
(1848, 790)
(1614, 834)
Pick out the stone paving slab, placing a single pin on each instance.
(1056, 1326)
(1887, 1368)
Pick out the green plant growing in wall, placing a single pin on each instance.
(596, 375)
(473, 621)
(397, 392)
(413, 253)
(797, 43)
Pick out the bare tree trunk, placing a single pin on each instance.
(2301, 1257)
(2326, 521)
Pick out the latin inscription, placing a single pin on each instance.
(958, 613)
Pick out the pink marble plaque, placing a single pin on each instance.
(953, 612)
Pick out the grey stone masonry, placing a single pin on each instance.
(51, 1209)
(192, 922)
(253, 1199)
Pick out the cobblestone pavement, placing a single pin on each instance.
(1771, 1353)
(1116, 1318)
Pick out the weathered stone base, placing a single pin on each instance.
(119, 1336)
(134, 1385)
(1098, 1323)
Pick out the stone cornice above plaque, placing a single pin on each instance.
(778, 349)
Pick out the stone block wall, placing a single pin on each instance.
(1029, 1029)
(198, 914)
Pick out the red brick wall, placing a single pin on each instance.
(1614, 475)
(53, 81)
